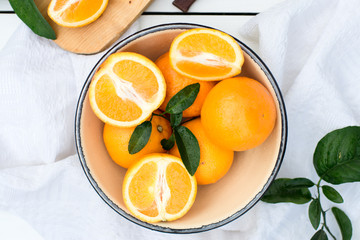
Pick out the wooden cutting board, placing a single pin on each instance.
(99, 35)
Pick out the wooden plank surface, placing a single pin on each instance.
(99, 35)
(228, 15)
(218, 6)
(5, 5)
(224, 6)
(228, 24)
(8, 25)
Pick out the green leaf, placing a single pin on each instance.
(289, 190)
(28, 12)
(168, 144)
(188, 148)
(343, 222)
(299, 183)
(183, 99)
(139, 137)
(175, 119)
(337, 156)
(332, 194)
(315, 213)
(320, 235)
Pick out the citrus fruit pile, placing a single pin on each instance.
(175, 124)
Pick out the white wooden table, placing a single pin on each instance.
(227, 15)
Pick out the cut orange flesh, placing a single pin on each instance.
(206, 54)
(126, 89)
(76, 13)
(159, 188)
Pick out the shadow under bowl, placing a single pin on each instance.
(217, 204)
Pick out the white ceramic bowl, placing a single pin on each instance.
(217, 204)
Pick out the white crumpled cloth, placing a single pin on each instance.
(311, 46)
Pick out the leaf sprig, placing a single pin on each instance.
(28, 12)
(336, 161)
(185, 140)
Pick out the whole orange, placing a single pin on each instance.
(116, 141)
(215, 161)
(239, 113)
(175, 82)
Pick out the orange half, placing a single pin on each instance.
(126, 89)
(206, 54)
(159, 188)
(76, 13)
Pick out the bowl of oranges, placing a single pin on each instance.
(180, 128)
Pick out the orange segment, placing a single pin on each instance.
(76, 13)
(180, 187)
(159, 188)
(206, 54)
(203, 71)
(126, 89)
(111, 104)
(143, 79)
(141, 189)
(204, 41)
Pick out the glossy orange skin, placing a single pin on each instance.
(215, 161)
(116, 141)
(239, 114)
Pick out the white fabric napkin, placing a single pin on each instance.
(312, 48)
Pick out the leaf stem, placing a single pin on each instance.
(323, 212)
(188, 120)
(318, 184)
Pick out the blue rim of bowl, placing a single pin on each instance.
(284, 129)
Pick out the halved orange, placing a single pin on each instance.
(159, 188)
(76, 13)
(206, 54)
(126, 89)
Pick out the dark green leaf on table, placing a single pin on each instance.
(320, 235)
(188, 148)
(289, 190)
(175, 119)
(315, 213)
(168, 144)
(140, 137)
(344, 223)
(27, 11)
(299, 183)
(337, 156)
(183, 99)
(332, 194)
